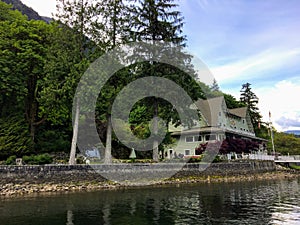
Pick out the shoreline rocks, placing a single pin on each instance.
(27, 188)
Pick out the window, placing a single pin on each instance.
(220, 113)
(189, 139)
(210, 137)
(243, 121)
(187, 152)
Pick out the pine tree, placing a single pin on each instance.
(155, 21)
(112, 23)
(114, 19)
(215, 86)
(100, 23)
(249, 98)
(79, 16)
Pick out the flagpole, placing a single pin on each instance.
(271, 131)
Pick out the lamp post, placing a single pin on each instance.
(271, 132)
(269, 124)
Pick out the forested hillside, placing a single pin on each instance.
(25, 10)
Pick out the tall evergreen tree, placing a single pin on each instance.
(79, 16)
(215, 86)
(159, 20)
(114, 19)
(98, 23)
(249, 98)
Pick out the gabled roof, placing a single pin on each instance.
(240, 112)
(210, 108)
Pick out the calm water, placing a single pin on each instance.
(269, 202)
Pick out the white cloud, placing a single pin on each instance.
(255, 65)
(283, 102)
(289, 123)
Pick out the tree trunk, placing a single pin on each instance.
(31, 104)
(75, 135)
(155, 131)
(107, 156)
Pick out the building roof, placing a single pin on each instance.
(240, 112)
(210, 108)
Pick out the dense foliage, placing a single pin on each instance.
(286, 144)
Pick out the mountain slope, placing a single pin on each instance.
(29, 12)
(295, 132)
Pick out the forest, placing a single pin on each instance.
(41, 64)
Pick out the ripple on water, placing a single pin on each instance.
(286, 213)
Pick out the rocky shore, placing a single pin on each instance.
(27, 188)
(11, 189)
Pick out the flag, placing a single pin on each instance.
(269, 114)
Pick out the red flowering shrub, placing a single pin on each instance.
(228, 145)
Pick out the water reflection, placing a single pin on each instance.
(69, 218)
(286, 214)
(270, 202)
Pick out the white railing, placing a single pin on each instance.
(261, 157)
(288, 158)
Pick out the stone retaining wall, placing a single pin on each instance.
(99, 173)
(228, 169)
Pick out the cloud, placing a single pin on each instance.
(282, 100)
(288, 123)
(251, 41)
(256, 65)
(244, 39)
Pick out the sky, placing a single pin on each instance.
(244, 41)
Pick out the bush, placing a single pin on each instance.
(50, 141)
(295, 167)
(195, 159)
(80, 160)
(37, 159)
(14, 137)
(217, 159)
(11, 160)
